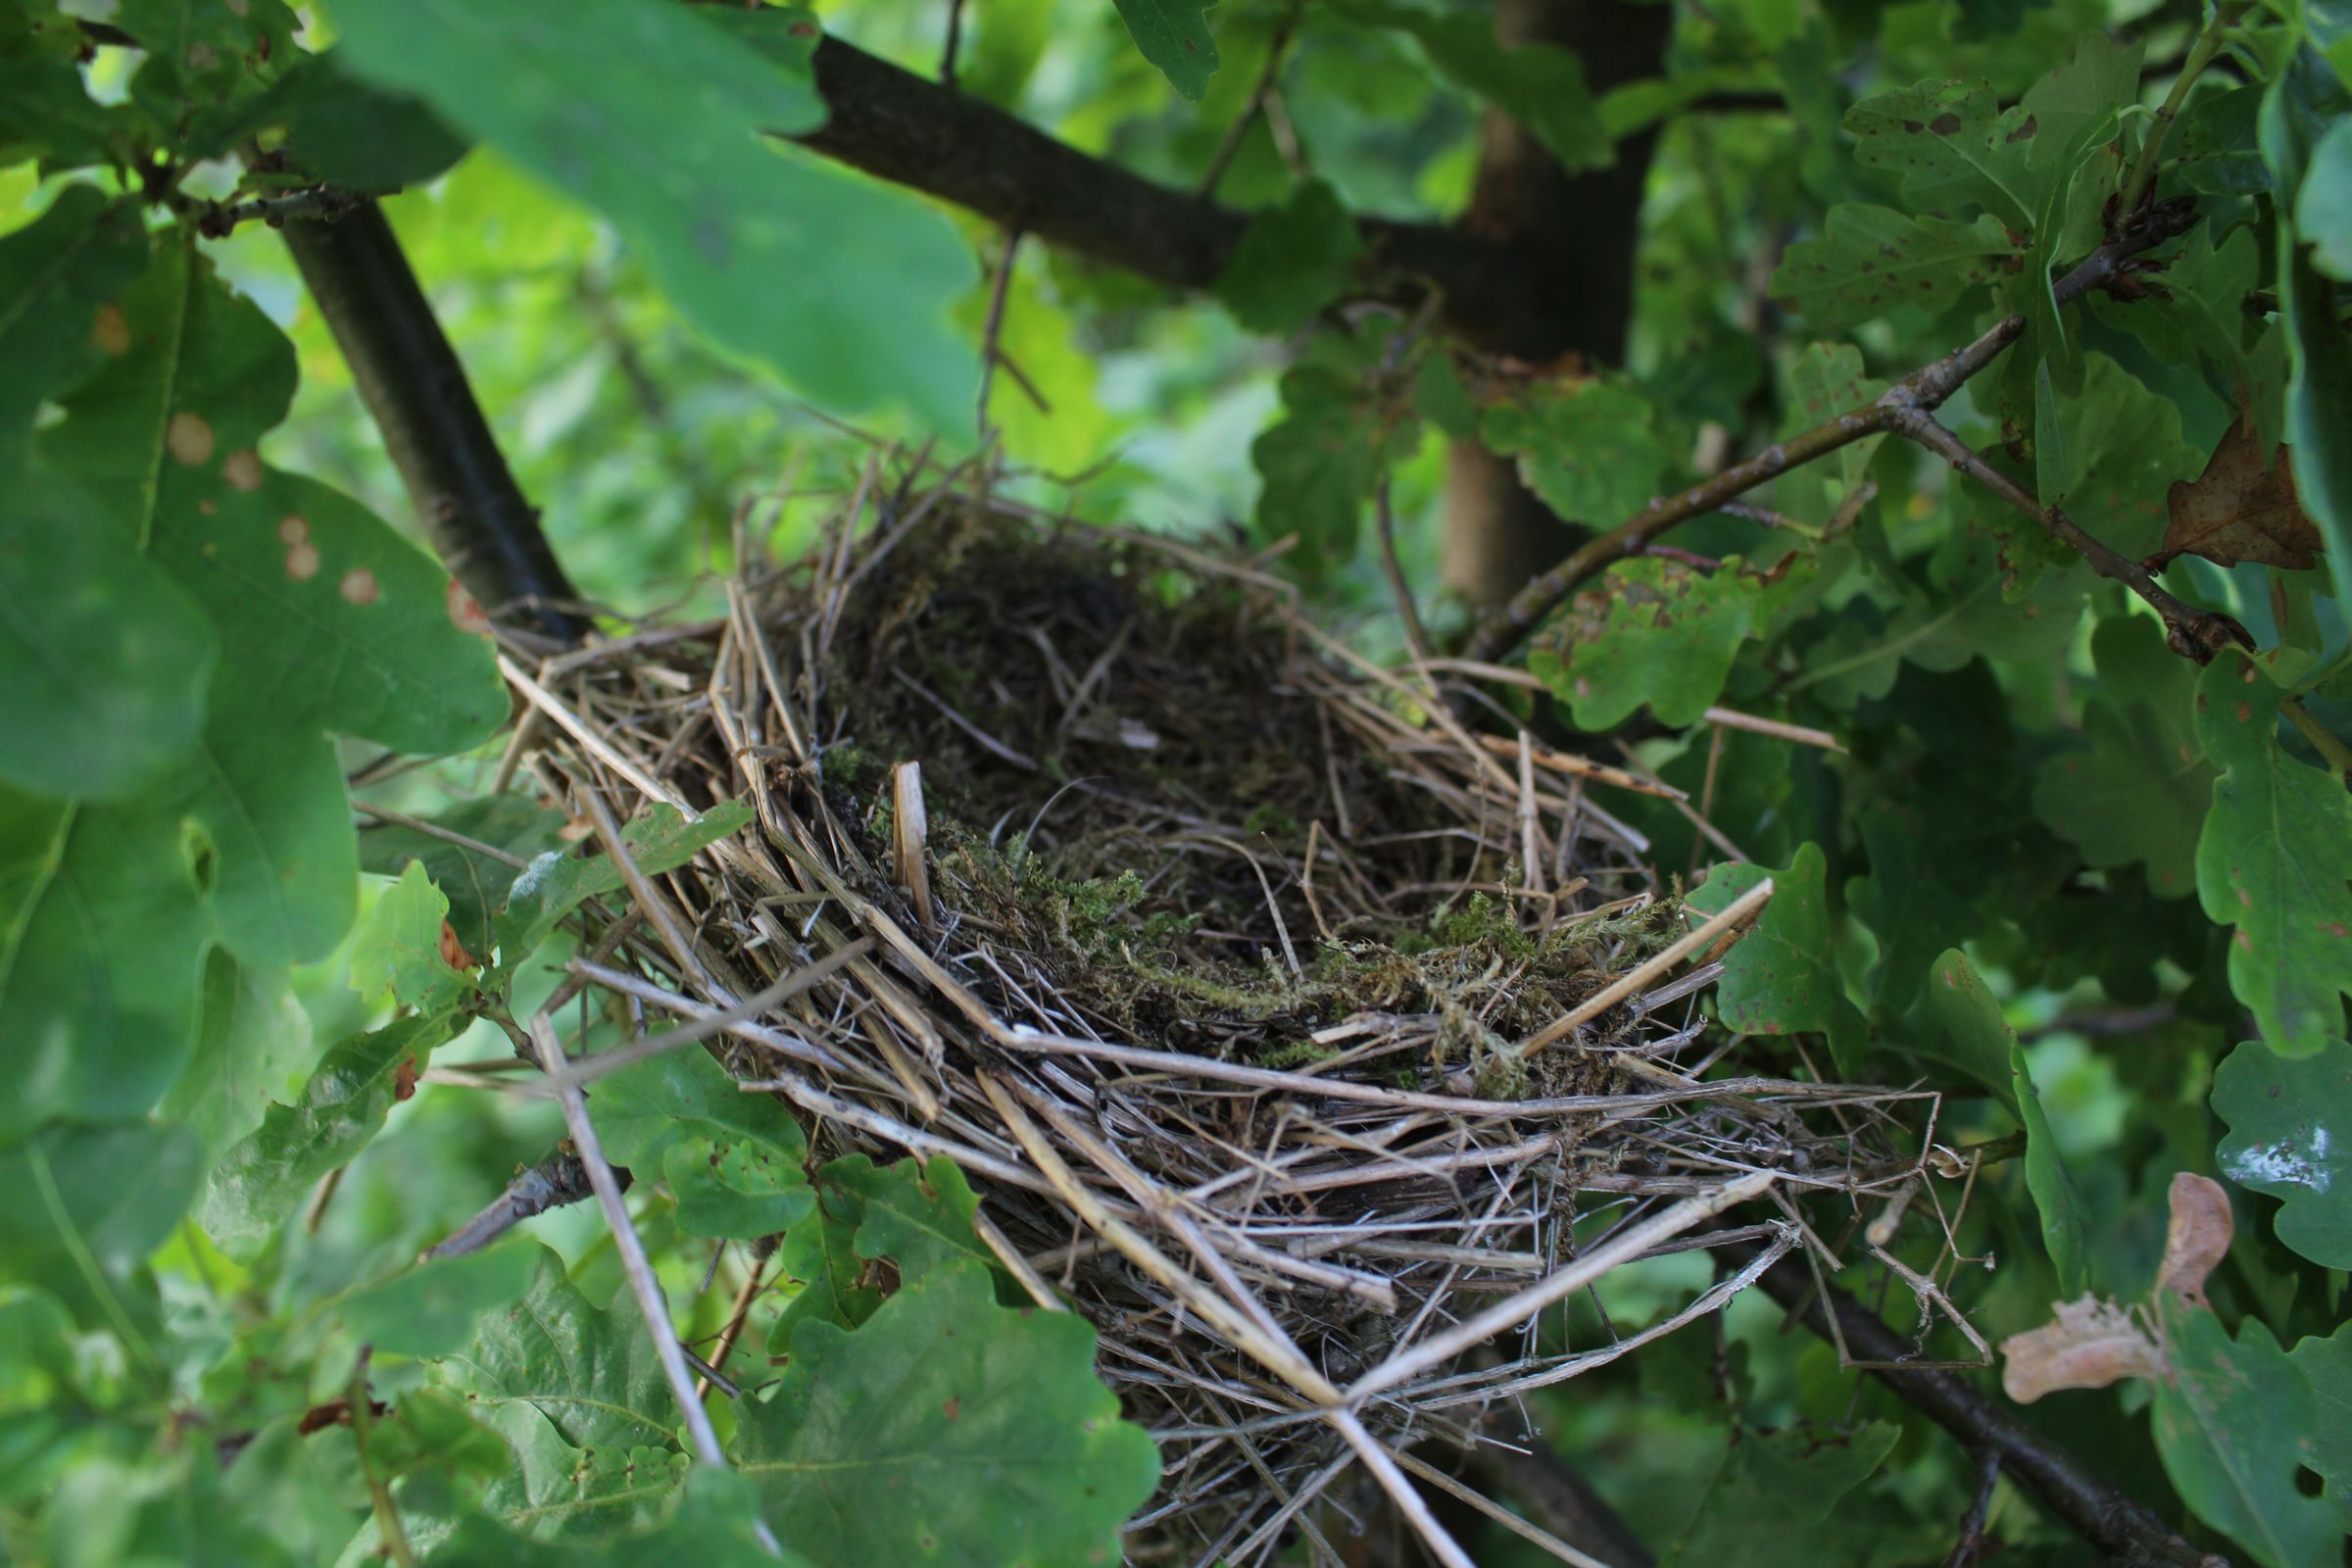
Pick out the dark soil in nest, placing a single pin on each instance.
(1130, 770)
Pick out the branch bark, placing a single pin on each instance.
(897, 126)
(1920, 393)
(472, 510)
(2118, 1525)
(1577, 233)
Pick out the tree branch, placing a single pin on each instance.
(473, 512)
(897, 127)
(2196, 634)
(559, 1179)
(1923, 391)
(2118, 1526)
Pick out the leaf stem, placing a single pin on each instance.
(2323, 741)
(2200, 55)
(395, 1534)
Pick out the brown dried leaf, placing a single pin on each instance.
(2089, 1345)
(2198, 1238)
(2242, 508)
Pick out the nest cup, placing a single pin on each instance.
(1308, 1041)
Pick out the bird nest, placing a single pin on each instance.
(1301, 1036)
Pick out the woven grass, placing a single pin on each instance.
(1301, 1039)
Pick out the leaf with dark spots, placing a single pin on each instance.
(1871, 259)
(2242, 508)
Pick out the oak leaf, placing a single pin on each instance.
(2090, 1343)
(2242, 508)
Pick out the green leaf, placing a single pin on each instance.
(59, 276)
(431, 1309)
(2324, 207)
(652, 115)
(1950, 146)
(342, 130)
(261, 1180)
(715, 1523)
(2233, 1424)
(1292, 261)
(734, 1161)
(475, 883)
(1870, 260)
(1825, 381)
(400, 950)
(1977, 1039)
(1660, 632)
(2290, 1136)
(947, 1429)
(580, 1394)
(1774, 1491)
(2275, 860)
(102, 934)
(104, 663)
(820, 1256)
(90, 1203)
(2318, 395)
(555, 884)
(1173, 35)
(44, 110)
(1537, 84)
(1590, 449)
(1782, 977)
(2124, 449)
(918, 1214)
(2219, 154)
(1914, 900)
(1318, 464)
(2327, 1366)
(254, 1037)
(207, 62)
(2140, 794)
(327, 619)
(2203, 310)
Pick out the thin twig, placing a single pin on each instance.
(2196, 634)
(2117, 1525)
(559, 1179)
(2200, 55)
(1231, 142)
(990, 354)
(651, 1303)
(1733, 918)
(1925, 389)
(1416, 635)
(391, 1533)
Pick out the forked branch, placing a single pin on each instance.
(1921, 392)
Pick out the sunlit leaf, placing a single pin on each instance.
(555, 884)
(843, 287)
(2290, 1136)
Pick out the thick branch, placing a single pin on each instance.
(1922, 391)
(897, 126)
(473, 512)
(2118, 1526)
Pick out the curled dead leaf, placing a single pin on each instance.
(2242, 508)
(2198, 1238)
(2090, 1343)
(453, 949)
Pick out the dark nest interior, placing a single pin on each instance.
(1307, 1042)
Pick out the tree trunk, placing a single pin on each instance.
(1580, 230)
